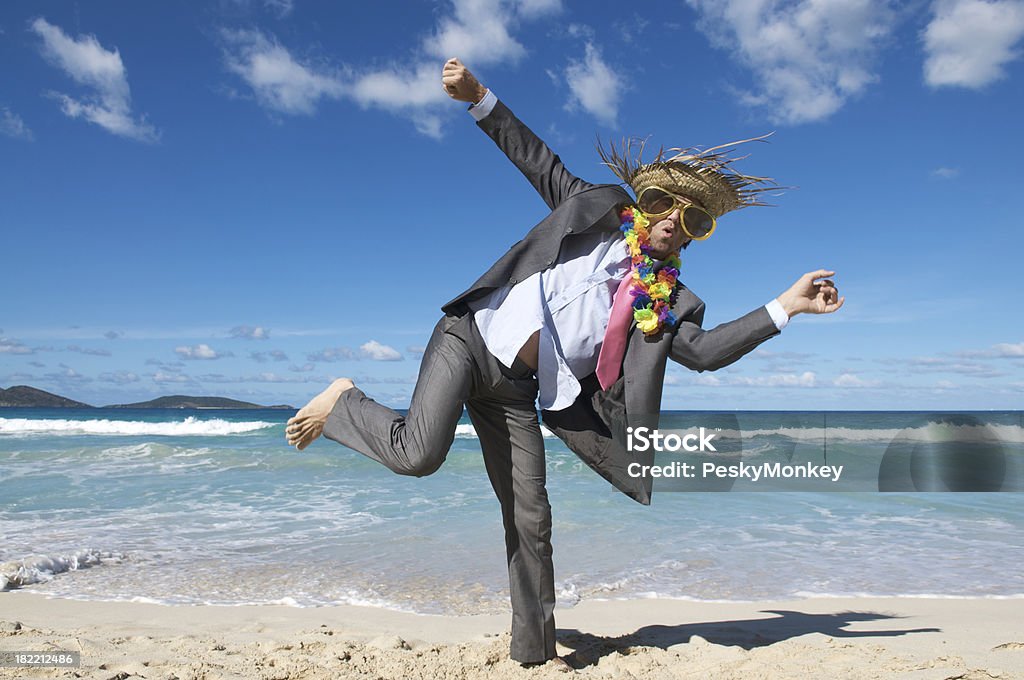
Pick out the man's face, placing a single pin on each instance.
(667, 235)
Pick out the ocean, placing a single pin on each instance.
(212, 507)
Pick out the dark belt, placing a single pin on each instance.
(518, 371)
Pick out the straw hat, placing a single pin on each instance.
(704, 176)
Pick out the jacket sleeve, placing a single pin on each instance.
(531, 155)
(710, 350)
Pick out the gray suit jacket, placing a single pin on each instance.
(594, 427)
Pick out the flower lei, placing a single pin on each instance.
(654, 293)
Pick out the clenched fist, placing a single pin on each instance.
(460, 84)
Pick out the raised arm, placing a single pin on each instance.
(710, 350)
(541, 166)
(701, 350)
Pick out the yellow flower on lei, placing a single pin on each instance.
(646, 320)
(659, 291)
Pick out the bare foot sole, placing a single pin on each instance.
(308, 424)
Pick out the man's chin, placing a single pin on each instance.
(660, 251)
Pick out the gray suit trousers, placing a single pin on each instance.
(458, 370)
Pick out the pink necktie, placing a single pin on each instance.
(609, 361)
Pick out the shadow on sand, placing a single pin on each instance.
(746, 633)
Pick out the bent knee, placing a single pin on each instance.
(421, 464)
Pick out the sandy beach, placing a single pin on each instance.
(819, 638)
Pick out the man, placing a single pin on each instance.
(583, 314)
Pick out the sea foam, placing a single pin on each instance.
(42, 568)
(188, 426)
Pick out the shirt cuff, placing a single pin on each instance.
(777, 313)
(483, 108)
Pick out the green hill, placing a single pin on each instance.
(23, 396)
(181, 401)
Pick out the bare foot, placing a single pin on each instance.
(308, 423)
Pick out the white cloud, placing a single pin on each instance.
(1005, 349)
(200, 351)
(416, 350)
(415, 92)
(119, 377)
(250, 332)
(949, 365)
(272, 355)
(68, 375)
(477, 33)
(808, 57)
(282, 8)
(102, 71)
(853, 380)
(267, 377)
(99, 352)
(8, 346)
(12, 125)
(378, 352)
(945, 173)
(805, 379)
(968, 42)
(1002, 350)
(532, 9)
(161, 377)
(280, 82)
(331, 354)
(595, 86)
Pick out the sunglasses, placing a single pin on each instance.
(657, 203)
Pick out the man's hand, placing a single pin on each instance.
(812, 296)
(460, 84)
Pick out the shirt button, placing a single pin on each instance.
(569, 230)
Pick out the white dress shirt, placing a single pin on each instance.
(569, 303)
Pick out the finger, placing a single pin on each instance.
(821, 273)
(304, 442)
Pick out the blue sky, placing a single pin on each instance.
(250, 198)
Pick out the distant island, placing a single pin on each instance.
(181, 401)
(23, 396)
